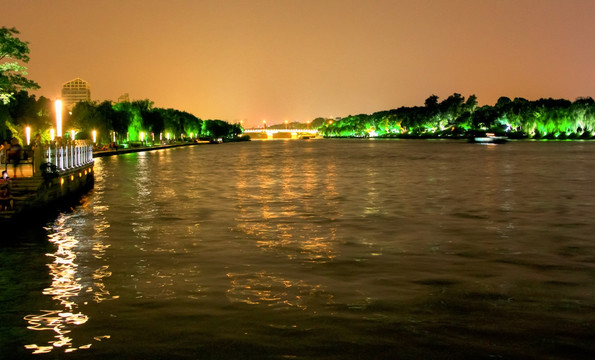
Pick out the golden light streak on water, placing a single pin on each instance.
(66, 288)
(272, 290)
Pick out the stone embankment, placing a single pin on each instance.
(56, 175)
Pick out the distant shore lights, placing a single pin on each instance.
(58, 105)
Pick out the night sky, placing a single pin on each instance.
(296, 60)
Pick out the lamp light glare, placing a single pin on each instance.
(58, 105)
(28, 134)
(94, 136)
(52, 134)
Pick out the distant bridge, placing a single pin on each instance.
(270, 132)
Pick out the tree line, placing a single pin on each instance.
(122, 122)
(119, 122)
(458, 117)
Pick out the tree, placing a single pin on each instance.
(12, 73)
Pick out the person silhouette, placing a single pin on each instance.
(15, 154)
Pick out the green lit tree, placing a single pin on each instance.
(13, 52)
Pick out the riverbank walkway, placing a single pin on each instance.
(44, 175)
(65, 162)
(110, 152)
(25, 168)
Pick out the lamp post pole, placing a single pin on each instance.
(58, 105)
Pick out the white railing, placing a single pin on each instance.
(69, 157)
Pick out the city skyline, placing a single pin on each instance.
(294, 61)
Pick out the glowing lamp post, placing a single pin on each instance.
(28, 134)
(58, 105)
(264, 124)
(52, 134)
(94, 133)
(72, 134)
(286, 122)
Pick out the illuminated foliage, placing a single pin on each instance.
(12, 74)
(457, 117)
(23, 111)
(123, 121)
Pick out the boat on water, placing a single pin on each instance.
(489, 138)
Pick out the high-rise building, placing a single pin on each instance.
(124, 98)
(74, 91)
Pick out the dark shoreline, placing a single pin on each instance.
(103, 153)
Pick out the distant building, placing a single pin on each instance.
(124, 98)
(74, 91)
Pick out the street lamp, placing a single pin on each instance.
(28, 134)
(58, 105)
(286, 122)
(264, 124)
(72, 133)
(94, 136)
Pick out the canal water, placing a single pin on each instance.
(314, 249)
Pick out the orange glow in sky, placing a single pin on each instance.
(300, 59)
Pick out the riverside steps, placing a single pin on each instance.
(56, 175)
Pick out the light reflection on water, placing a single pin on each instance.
(329, 249)
(70, 285)
(65, 288)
